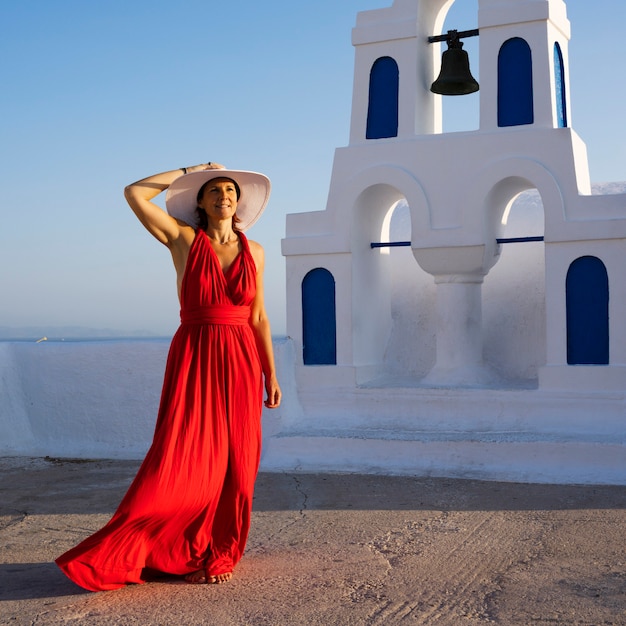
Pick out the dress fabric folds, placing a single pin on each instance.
(189, 506)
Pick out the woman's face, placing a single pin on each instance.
(219, 199)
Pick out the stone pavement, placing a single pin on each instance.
(333, 549)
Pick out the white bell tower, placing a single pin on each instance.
(461, 416)
(458, 187)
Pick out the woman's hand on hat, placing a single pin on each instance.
(207, 166)
(203, 166)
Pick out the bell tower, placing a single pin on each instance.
(458, 187)
(394, 368)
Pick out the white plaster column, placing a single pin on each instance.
(459, 321)
(459, 354)
(458, 272)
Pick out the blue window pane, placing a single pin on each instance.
(559, 85)
(382, 113)
(587, 302)
(515, 83)
(319, 324)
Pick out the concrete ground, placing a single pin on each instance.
(333, 549)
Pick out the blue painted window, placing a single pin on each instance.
(382, 112)
(319, 323)
(587, 302)
(559, 86)
(515, 83)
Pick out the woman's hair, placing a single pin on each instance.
(203, 220)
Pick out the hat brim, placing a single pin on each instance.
(181, 196)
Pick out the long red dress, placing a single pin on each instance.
(189, 506)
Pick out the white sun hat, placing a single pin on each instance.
(181, 196)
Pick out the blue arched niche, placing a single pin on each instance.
(382, 112)
(319, 322)
(587, 303)
(559, 86)
(515, 83)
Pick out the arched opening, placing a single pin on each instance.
(513, 293)
(515, 83)
(319, 323)
(587, 316)
(382, 113)
(371, 220)
(462, 113)
(559, 86)
(411, 350)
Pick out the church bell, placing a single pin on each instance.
(455, 78)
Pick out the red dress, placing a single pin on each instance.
(190, 503)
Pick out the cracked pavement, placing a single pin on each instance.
(333, 549)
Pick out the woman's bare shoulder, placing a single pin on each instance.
(257, 252)
(255, 245)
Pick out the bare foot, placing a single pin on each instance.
(220, 578)
(201, 577)
(197, 578)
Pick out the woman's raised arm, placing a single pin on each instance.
(139, 196)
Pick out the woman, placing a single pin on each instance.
(188, 510)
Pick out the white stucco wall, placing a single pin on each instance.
(80, 399)
(92, 399)
(99, 400)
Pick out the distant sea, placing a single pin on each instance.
(74, 334)
(55, 334)
(46, 339)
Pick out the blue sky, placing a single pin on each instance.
(96, 95)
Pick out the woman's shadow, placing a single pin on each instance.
(31, 581)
